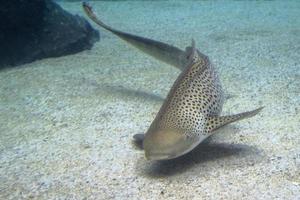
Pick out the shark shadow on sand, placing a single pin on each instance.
(121, 91)
(221, 155)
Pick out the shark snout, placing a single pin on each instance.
(165, 145)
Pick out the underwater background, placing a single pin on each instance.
(66, 123)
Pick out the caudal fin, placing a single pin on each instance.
(89, 11)
(216, 122)
(159, 50)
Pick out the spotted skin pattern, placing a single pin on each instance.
(195, 95)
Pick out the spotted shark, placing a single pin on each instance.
(192, 110)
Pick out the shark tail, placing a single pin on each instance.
(159, 50)
(89, 11)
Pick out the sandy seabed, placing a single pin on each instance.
(66, 124)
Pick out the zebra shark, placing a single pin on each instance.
(191, 111)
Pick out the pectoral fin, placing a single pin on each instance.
(216, 122)
(138, 140)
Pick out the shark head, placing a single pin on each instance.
(167, 144)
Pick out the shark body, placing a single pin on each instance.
(191, 111)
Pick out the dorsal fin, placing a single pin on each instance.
(194, 56)
(216, 122)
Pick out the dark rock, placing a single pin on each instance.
(32, 30)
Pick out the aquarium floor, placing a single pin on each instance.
(66, 124)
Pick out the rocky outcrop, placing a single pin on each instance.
(32, 30)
